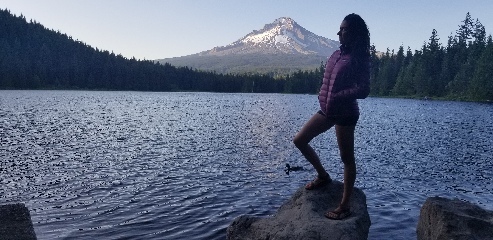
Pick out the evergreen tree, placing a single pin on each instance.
(433, 57)
(403, 85)
(383, 81)
(482, 81)
(479, 34)
(420, 77)
(374, 71)
(449, 66)
(465, 31)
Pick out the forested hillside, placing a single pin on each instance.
(33, 57)
(272, 64)
(461, 70)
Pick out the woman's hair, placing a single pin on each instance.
(358, 36)
(358, 45)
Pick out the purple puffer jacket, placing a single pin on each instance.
(338, 93)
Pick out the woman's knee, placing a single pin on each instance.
(315, 126)
(298, 141)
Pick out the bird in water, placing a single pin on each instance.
(291, 169)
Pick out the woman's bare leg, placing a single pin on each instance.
(345, 140)
(314, 127)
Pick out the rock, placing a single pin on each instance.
(441, 218)
(302, 217)
(15, 222)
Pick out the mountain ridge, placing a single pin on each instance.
(264, 51)
(283, 35)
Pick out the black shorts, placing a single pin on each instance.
(341, 120)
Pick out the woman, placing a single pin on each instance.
(346, 78)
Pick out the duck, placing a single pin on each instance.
(292, 169)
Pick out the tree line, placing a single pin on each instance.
(463, 69)
(278, 64)
(34, 57)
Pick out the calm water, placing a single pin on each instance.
(133, 165)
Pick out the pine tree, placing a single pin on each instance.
(385, 79)
(482, 81)
(433, 57)
(375, 66)
(465, 31)
(462, 60)
(403, 83)
(449, 67)
(420, 77)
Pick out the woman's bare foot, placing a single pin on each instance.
(318, 182)
(339, 213)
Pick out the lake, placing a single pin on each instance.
(145, 165)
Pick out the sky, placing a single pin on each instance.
(157, 29)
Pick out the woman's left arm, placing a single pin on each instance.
(359, 90)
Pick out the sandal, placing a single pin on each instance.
(338, 215)
(318, 182)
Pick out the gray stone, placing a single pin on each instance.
(15, 222)
(441, 218)
(302, 217)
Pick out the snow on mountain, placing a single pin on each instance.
(280, 47)
(283, 35)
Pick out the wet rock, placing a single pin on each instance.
(15, 222)
(441, 218)
(302, 217)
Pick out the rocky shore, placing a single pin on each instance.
(442, 218)
(301, 217)
(15, 222)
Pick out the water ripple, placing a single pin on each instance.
(184, 165)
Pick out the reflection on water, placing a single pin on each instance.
(184, 165)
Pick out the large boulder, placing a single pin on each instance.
(302, 217)
(441, 218)
(15, 222)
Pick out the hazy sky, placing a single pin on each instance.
(154, 29)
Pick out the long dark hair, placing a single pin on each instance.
(358, 36)
(358, 43)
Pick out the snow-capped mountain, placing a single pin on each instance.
(280, 47)
(283, 35)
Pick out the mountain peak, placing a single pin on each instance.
(283, 35)
(287, 21)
